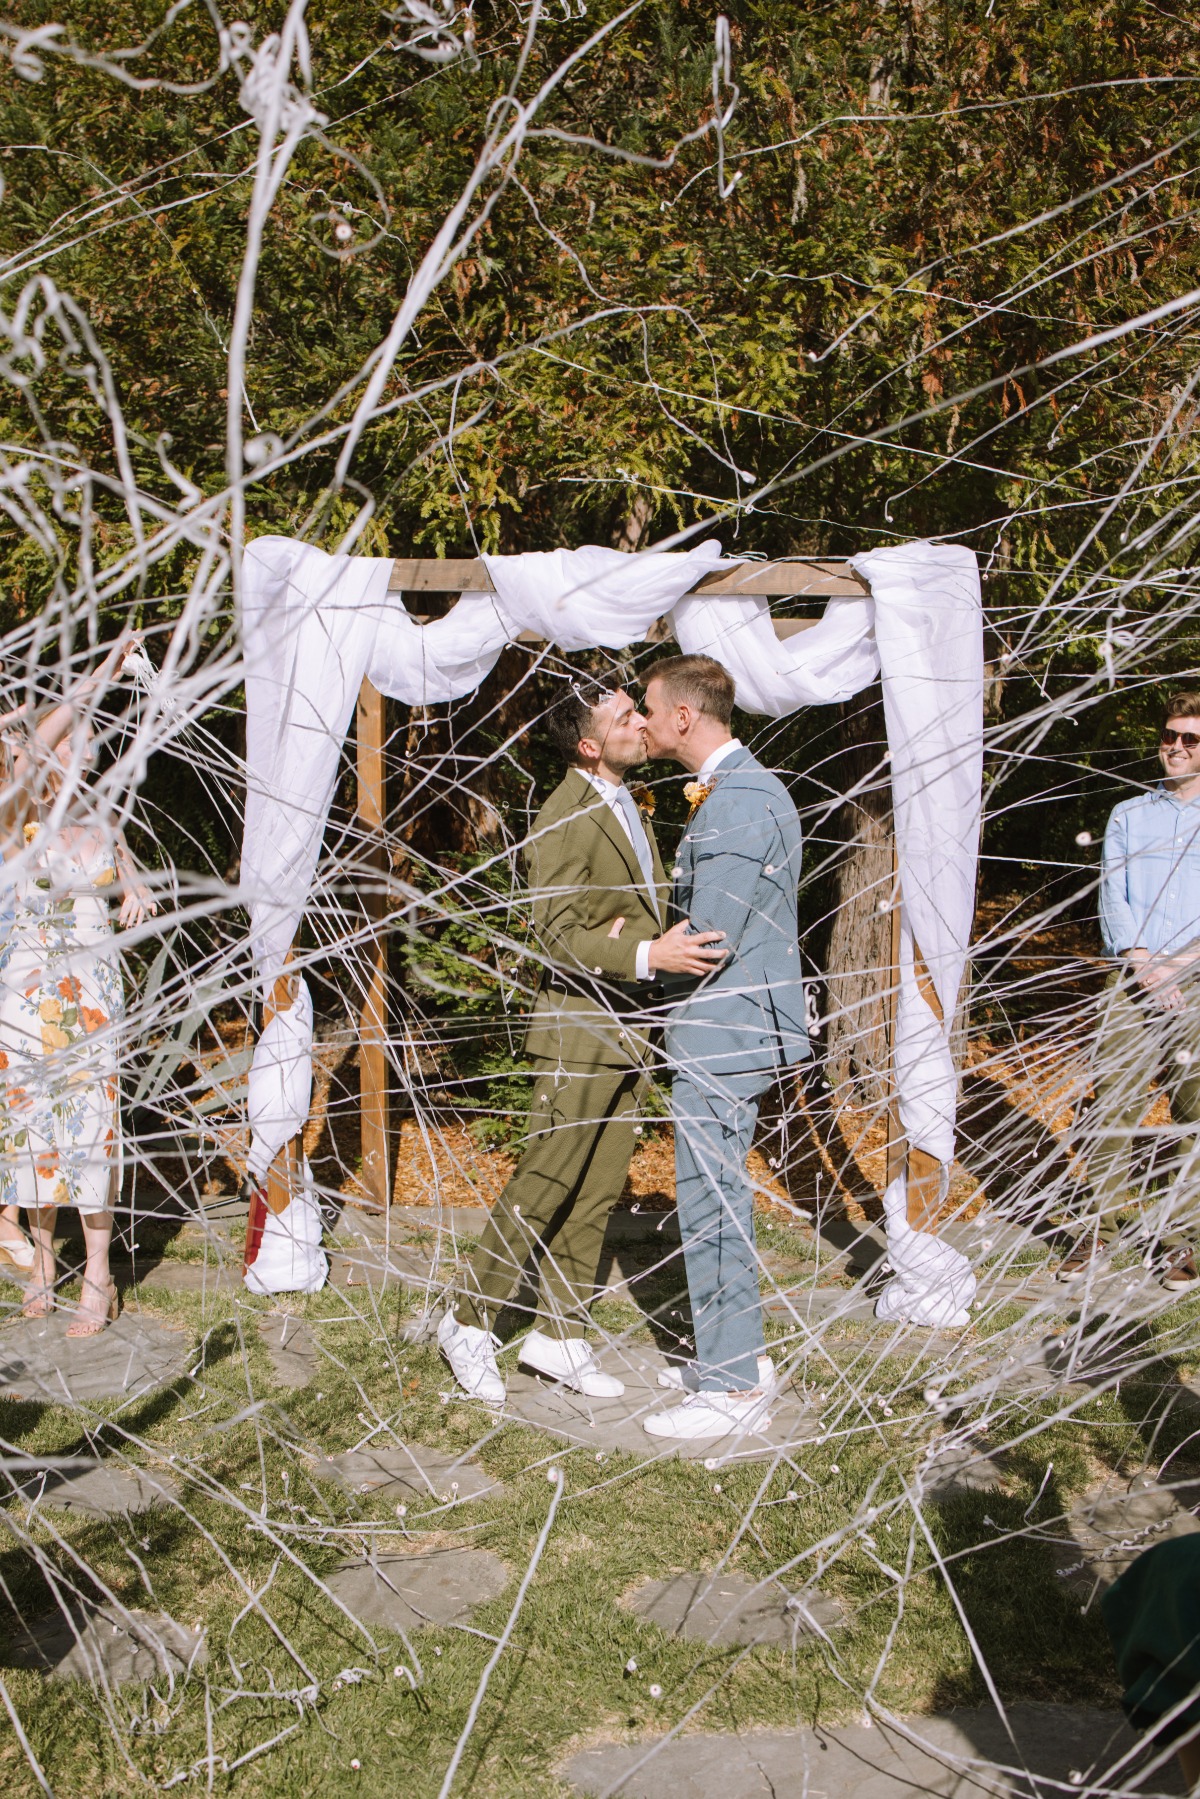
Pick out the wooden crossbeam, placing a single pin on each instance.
(794, 578)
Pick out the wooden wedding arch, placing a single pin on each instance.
(793, 579)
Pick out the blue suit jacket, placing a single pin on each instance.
(737, 871)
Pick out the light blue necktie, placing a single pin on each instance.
(639, 839)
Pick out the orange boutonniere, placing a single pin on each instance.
(643, 797)
(695, 793)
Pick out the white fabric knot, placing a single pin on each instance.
(932, 1283)
(236, 42)
(434, 38)
(290, 1258)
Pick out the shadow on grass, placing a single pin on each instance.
(1038, 1644)
(1025, 1628)
(59, 1581)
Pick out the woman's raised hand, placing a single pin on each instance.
(125, 640)
(138, 905)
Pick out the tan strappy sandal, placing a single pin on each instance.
(38, 1301)
(91, 1327)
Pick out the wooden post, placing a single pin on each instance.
(373, 1023)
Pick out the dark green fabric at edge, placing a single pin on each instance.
(1153, 1618)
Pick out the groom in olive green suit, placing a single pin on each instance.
(599, 898)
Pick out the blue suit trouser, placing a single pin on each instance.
(714, 1118)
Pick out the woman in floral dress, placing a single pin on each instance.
(61, 1010)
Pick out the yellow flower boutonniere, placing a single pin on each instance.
(31, 831)
(643, 797)
(695, 793)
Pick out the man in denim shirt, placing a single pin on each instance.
(1150, 1013)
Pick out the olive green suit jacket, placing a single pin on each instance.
(583, 877)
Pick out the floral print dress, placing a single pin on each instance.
(61, 1010)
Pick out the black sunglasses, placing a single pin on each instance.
(1188, 739)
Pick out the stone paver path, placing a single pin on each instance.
(728, 1608)
(410, 1592)
(1109, 1527)
(410, 1471)
(107, 1645)
(959, 1755)
(958, 1469)
(98, 1491)
(604, 1426)
(172, 1275)
(293, 1349)
(132, 1357)
(370, 1265)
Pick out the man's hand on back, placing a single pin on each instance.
(681, 951)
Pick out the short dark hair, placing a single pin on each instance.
(570, 717)
(697, 681)
(1182, 705)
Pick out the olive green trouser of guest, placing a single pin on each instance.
(1138, 1041)
(557, 1203)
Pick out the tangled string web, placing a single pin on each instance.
(458, 280)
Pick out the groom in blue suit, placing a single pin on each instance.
(728, 1035)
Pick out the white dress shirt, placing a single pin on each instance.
(717, 757)
(629, 818)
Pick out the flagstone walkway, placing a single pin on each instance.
(727, 1608)
(414, 1592)
(107, 1645)
(38, 1361)
(957, 1755)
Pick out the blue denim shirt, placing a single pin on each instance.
(1150, 886)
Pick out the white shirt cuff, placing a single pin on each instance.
(641, 964)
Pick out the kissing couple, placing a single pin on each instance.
(711, 955)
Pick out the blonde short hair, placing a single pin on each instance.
(697, 681)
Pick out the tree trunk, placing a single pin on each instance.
(630, 531)
(859, 956)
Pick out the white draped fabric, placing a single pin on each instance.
(832, 661)
(315, 625)
(280, 1081)
(929, 636)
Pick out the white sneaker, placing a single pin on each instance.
(706, 1415)
(471, 1353)
(684, 1377)
(569, 1360)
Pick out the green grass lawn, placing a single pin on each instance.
(256, 1526)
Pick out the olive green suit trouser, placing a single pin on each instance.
(556, 1205)
(1136, 1042)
